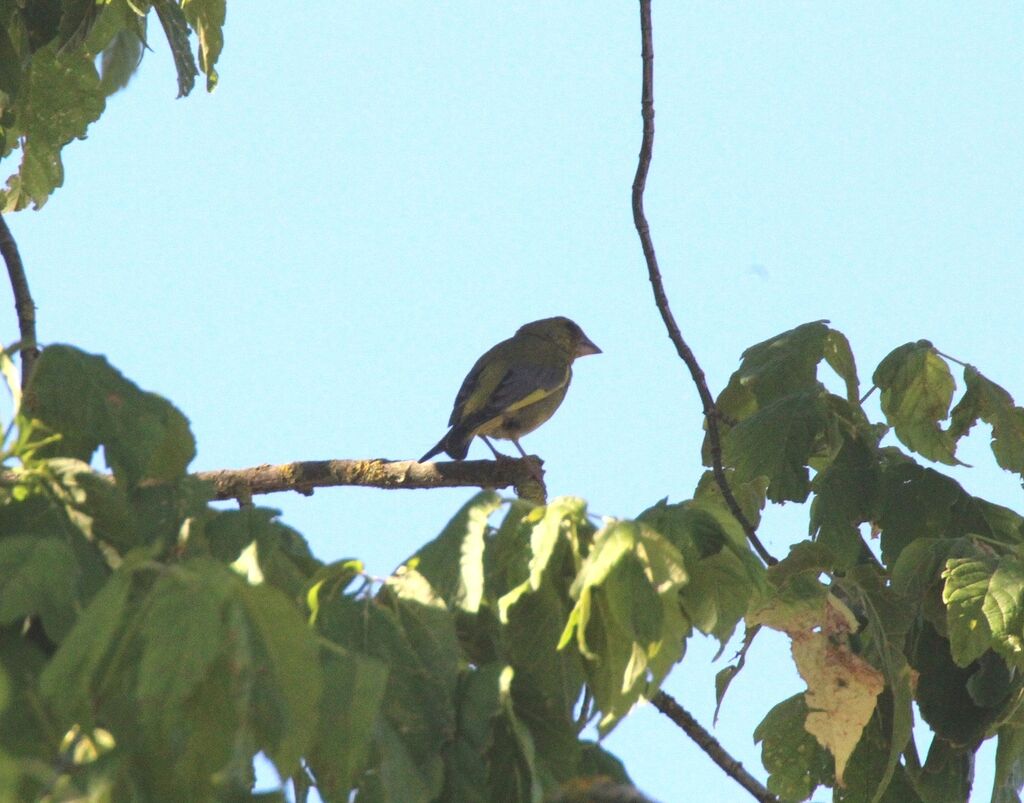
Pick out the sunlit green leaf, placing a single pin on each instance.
(57, 100)
(453, 562)
(627, 622)
(986, 400)
(967, 583)
(839, 356)
(985, 600)
(723, 575)
(917, 389)
(207, 19)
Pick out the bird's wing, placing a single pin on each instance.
(515, 388)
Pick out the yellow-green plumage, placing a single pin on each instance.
(516, 386)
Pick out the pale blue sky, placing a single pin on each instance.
(308, 261)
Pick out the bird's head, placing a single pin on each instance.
(564, 332)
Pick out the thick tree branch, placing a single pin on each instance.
(23, 304)
(305, 476)
(661, 299)
(710, 745)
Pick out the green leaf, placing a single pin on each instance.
(551, 678)
(276, 554)
(399, 776)
(627, 620)
(198, 666)
(778, 441)
(207, 19)
(915, 502)
(839, 356)
(784, 364)
(57, 100)
(10, 72)
(329, 581)
(492, 757)
(845, 496)
(176, 30)
(917, 389)
(750, 495)
(513, 773)
(354, 686)
(77, 20)
(453, 562)
(725, 677)
(966, 587)
(986, 400)
(917, 575)
(943, 697)
(286, 675)
(94, 505)
(873, 760)
(507, 552)
(39, 576)
(947, 774)
(418, 705)
(90, 403)
(1009, 775)
(723, 575)
(428, 625)
(466, 759)
(796, 763)
(26, 730)
(183, 628)
(985, 601)
(119, 60)
(881, 641)
(69, 679)
(782, 367)
(596, 761)
(555, 530)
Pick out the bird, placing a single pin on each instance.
(515, 386)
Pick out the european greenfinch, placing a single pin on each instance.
(515, 386)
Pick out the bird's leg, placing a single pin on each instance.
(497, 455)
(535, 468)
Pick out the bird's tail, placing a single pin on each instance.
(455, 444)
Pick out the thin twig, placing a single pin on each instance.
(661, 299)
(710, 745)
(23, 304)
(304, 476)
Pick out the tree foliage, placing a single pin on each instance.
(61, 59)
(151, 645)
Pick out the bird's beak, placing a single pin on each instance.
(586, 346)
